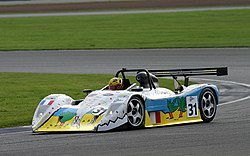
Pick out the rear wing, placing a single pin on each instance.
(220, 71)
(186, 73)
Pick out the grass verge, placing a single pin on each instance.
(228, 28)
(20, 93)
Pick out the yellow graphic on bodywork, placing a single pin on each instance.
(148, 122)
(174, 118)
(87, 123)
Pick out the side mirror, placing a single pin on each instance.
(87, 91)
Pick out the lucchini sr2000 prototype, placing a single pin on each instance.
(136, 106)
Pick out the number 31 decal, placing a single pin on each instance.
(192, 106)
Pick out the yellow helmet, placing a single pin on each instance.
(115, 83)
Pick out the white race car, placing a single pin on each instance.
(136, 106)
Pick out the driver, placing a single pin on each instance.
(115, 83)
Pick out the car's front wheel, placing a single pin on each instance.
(208, 105)
(136, 113)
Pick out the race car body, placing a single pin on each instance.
(135, 106)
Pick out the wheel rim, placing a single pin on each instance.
(208, 104)
(135, 112)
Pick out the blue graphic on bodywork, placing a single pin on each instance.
(65, 114)
(157, 105)
(63, 110)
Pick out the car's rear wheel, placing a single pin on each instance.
(136, 113)
(208, 105)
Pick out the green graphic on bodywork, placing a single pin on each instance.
(182, 104)
(66, 116)
(179, 104)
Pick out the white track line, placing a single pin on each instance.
(119, 12)
(232, 82)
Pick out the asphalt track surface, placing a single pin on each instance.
(228, 134)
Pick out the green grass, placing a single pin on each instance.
(20, 93)
(228, 28)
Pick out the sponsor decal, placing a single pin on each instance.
(108, 94)
(119, 100)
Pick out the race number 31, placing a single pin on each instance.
(192, 106)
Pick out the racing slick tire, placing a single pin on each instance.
(208, 105)
(136, 113)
